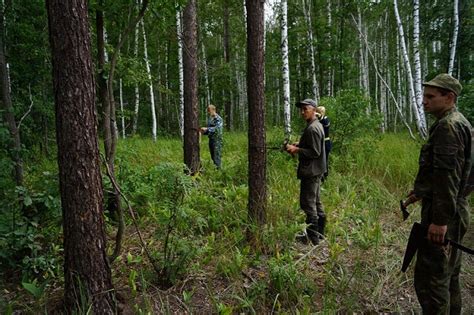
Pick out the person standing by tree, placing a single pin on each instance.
(444, 166)
(214, 131)
(321, 110)
(311, 167)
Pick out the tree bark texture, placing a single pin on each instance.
(191, 108)
(179, 31)
(256, 105)
(454, 40)
(7, 107)
(86, 268)
(285, 68)
(227, 98)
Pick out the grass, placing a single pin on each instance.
(355, 270)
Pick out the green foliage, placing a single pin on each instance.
(349, 118)
(466, 101)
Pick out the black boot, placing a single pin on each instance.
(312, 233)
(321, 226)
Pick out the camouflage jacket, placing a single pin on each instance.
(311, 155)
(444, 165)
(215, 127)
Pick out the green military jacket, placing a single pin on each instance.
(444, 165)
(311, 154)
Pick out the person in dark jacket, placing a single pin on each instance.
(444, 167)
(324, 120)
(311, 167)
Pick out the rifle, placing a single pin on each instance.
(417, 236)
(281, 147)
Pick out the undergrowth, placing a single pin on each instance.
(195, 228)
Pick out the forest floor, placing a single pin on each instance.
(210, 267)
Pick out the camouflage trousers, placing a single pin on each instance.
(437, 267)
(215, 147)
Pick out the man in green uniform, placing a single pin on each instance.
(444, 166)
(311, 167)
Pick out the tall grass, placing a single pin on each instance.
(214, 270)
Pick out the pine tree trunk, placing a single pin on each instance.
(256, 105)
(86, 267)
(191, 106)
(453, 44)
(7, 107)
(285, 68)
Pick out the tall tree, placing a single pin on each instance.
(285, 68)
(150, 82)
(191, 108)
(453, 44)
(256, 104)
(86, 267)
(312, 53)
(227, 101)
(179, 31)
(416, 53)
(6, 102)
(419, 113)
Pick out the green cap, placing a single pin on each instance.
(445, 81)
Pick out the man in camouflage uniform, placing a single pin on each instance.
(311, 167)
(214, 130)
(444, 166)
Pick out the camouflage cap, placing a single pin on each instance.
(307, 101)
(445, 81)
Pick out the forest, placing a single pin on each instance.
(110, 201)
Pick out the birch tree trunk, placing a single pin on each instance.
(137, 88)
(150, 83)
(206, 75)
(416, 53)
(330, 70)
(181, 73)
(307, 14)
(285, 68)
(452, 55)
(419, 113)
(121, 108)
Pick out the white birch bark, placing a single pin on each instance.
(206, 75)
(121, 108)
(416, 53)
(363, 64)
(307, 14)
(380, 77)
(181, 72)
(137, 88)
(285, 68)
(452, 55)
(419, 114)
(329, 38)
(150, 82)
